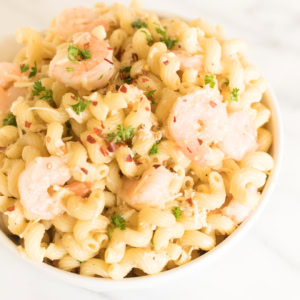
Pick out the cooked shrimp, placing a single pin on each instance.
(151, 190)
(8, 97)
(77, 19)
(197, 120)
(240, 137)
(9, 72)
(34, 182)
(189, 61)
(236, 211)
(90, 73)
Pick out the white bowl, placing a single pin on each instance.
(101, 284)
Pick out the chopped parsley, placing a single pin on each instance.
(33, 71)
(42, 92)
(148, 37)
(126, 69)
(24, 68)
(69, 69)
(122, 134)
(226, 82)
(117, 221)
(100, 76)
(139, 24)
(210, 80)
(80, 106)
(154, 148)
(10, 120)
(150, 94)
(176, 212)
(234, 95)
(168, 41)
(128, 80)
(75, 54)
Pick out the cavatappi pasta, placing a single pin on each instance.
(130, 144)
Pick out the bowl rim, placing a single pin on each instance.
(106, 284)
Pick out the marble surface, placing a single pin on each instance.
(266, 263)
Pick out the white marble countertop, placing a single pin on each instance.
(266, 263)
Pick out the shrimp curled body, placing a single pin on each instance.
(197, 120)
(151, 190)
(77, 19)
(34, 181)
(88, 74)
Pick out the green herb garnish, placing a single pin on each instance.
(117, 221)
(139, 24)
(226, 82)
(154, 148)
(148, 37)
(24, 68)
(210, 80)
(69, 69)
(168, 41)
(126, 69)
(42, 92)
(100, 76)
(128, 80)
(80, 106)
(234, 95)
(176, 212)
(75, 54)
(122, 134)
(33, 71)
(10, 120)
(150, 94)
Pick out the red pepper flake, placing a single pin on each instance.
(123, 89)
(174, 119)
(200, 142)
(134, 81)
(184, 100)
(189, 149)
(141, 99)
(27, 124)
(85, 171)
(138, 162)
(103, 151)
(48, 139)
(112, 147)
(102, 125)
(91, 140)
(97, 131)
(135, 110)
(166, 62)
(212, 104)
(73, 97)
(49, 166)
(190, 201)
(144, 79)
(109, 48)
(12, 208)
(128, 158)
(108, 61)
(95, 103)
(147, 108)
(156, 166)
